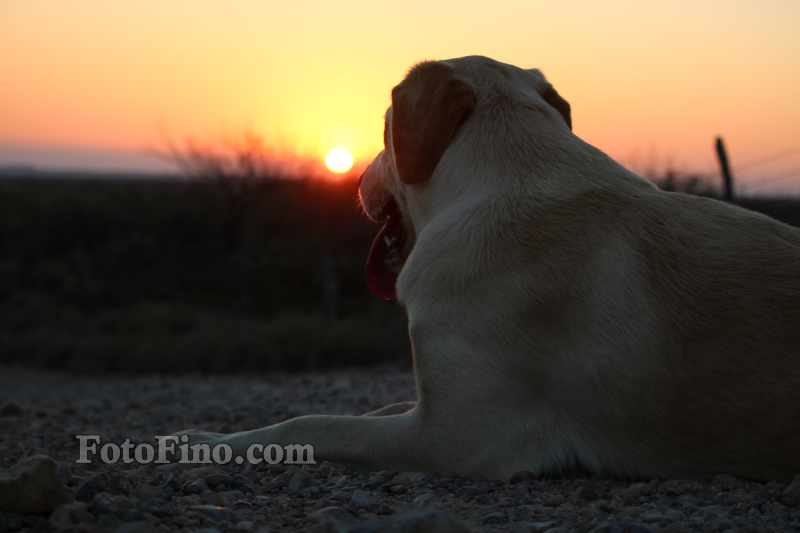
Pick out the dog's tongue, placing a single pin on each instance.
(380, 279)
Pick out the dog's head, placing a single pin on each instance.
(446, 119)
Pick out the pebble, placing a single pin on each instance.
(220, 514)
(677, 487)
(10, 408)
(260, 499)
(411, 478)
(519, 477)
(361, 500)
(66, 473)
(195, 474)
(33, 486)
(213, 480)
(114, 483)
(211, 497)
(87, 489)
(792, 492)
(102, 503)
(69, 515)
(144, 491)
(300, 481)
(196, 487)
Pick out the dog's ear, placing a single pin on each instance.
(562, 106)
(427, 107)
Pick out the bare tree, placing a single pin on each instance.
(240, 174)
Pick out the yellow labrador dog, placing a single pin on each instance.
(563, 311)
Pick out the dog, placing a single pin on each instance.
(564, 313)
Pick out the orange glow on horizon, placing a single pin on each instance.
(642, 78)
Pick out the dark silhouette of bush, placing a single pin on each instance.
(137, 276)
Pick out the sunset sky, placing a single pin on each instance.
(95, 84)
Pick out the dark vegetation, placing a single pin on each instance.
(135, 276)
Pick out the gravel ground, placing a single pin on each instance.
(41, 412)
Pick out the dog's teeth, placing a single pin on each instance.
(388, 241)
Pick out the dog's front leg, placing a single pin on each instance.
(376, 442)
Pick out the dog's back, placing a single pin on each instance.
(685, 352)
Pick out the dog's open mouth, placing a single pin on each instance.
(384, 256)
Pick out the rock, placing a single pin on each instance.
(109, 521)
(415, 519)
(218, 479)
(310, 492)
(719, 525)
(642, 489)
(124, 501)
(102, 503)
(411, 478)
(497, 517)
(384, 510)
(219, 514)
(555, 501)
(520, 477)
(627, 526)
(66, 473)
(361, 500)
(230, 495)
(468, 493)
(238, 481)
(531, 527)
(14, 520)
(137, 527)
(398, 489)
(244, 514)
(200, 473)
(70, 515)
(85, 491)
(483, 499)
(587, 493)
(130, 515)
(792, 492)
(33, 486)
(42, 526)
(212, 413)
(300, 480)
(726, 482)
(654, 517)
(211, 497)
(245, 526)
(326, 513)
(422, 499)
(678, 487)
(196, 487)
(10, 408)
(143, 491)
(774, 508)
(114, 483)
(173, 481)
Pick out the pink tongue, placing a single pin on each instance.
(381, 280)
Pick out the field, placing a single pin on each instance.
(174, 276)
(138, 276)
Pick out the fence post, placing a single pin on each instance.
(727, 179)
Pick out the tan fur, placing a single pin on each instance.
(563, 311)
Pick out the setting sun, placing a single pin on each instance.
(339, 160)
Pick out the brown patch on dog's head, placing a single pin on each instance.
(562, 106)
(427, 107)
